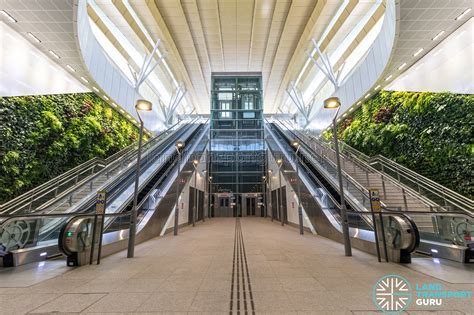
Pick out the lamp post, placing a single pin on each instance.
(296, 144)
(264, 193)
(179, 145)
(270, 191)
(280, 199)
(335, 103)
(146, 106)
(211, 204)
(195, 164)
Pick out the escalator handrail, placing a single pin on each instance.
(364, 191)
(444, 193)
(427, 202)
(58, 181)
(129, 169)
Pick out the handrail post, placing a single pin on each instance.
(405, 199)
(383, 187)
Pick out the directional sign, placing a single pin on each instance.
(375, 200)
(100, 202)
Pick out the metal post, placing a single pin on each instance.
(345, 225)
(176, 209)
(133, 215)
(195, 196)
(270, 193)
(280, 197)
(300, 209)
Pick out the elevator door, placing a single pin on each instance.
(251, 206)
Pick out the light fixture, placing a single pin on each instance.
(70, 68)
(95, 89)
(295, 143)
(36, 39)
(279, 161)
(195, 162)
(263, 177)
(359, 102)
(402, 66)
(84, 79)
(105, 97)
(122, 111)
(463, 14)
(438, 35)
(55, 55)
(143, 105)
(351, 109)
(377, 87)
(8, 16)
(332, 102)
(367, 96)
(417, 52)
(114, 105)
(388, 78)
(179, 144)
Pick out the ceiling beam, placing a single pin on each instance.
(221, 42)
(249, 62)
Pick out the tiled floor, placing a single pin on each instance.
(281, 272)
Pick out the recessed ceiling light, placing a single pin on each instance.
(377, 87)
(402, 66)
(417, 52)
(464, 13)
(95, 89)
(367, 96)
(105, 97)
(359, 102)
(114, 105)
(70, 68)
(55, 55)
(8, 16)
(438, 35)
(36, 39)
(122, 111)
(84, 79)
(388, 78)
(351, 109)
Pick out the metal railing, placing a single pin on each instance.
(433, 194)
(66, 185)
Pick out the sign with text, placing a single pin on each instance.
(100, 202)
(375, 200)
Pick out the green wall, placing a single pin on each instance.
(44, 136)
(430, 133)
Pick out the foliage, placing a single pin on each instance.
(44, 136)
(430, 133)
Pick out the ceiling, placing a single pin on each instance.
(268, 36)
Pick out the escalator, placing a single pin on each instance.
(320, 204)
(158, 160)
(444, 234)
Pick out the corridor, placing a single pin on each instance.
(224, 265)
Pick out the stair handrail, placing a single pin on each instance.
(448, 196)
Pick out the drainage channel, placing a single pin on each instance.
(241, 297)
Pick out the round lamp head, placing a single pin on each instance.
(210, 177)
(195, 162)
(279, 161)
(179, 144)
(295, 143)
(263, 177)
(143, 105)
(332, 102)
